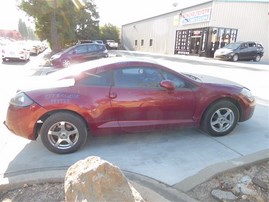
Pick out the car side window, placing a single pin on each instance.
(101, 79)
(259, 45)
(252, 45)
(81, 49)
(179, 83)
(92, 48)
(141, 77)
(244, 45)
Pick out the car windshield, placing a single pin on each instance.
(191, 76)
(232, 46)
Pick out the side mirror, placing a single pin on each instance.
(167, 84)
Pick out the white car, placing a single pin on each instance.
(111, 44)
(15, 51)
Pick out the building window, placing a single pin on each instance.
(150, 42)
(142, 42)
(135, 42)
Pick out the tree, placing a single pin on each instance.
(22, 28)
(26, 32)
(61, 22)
(109, 31)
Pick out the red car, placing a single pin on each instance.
(118, 94)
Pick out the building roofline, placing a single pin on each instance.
(178, 10)
(206, 2)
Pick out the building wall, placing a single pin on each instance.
(250, 18)
(157, 29)
(161, 29)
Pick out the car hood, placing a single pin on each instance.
(214, 80)
(38, 82)
(224, 50)
(57, 55)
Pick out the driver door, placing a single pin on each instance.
(141, 104)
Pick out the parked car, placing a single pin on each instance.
(240, 51)
(79, 53)
(36, 47)
(16, 51)
(99, 41)
(117, 94)
(111, 44)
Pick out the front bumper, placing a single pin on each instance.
(22, 120)
(223, 57)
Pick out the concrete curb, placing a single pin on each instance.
(171, 193)
(140, 182)
(214, 170)
(166, 191)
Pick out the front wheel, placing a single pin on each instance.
(235, 58)
(66, 63)
(63, 133)
(220, 119)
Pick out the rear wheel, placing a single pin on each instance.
(235, 58)
(257, 58)
(220, 119)
(63, 133)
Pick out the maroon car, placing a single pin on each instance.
(118, 94)
(78, 53)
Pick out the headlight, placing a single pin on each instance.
(246, 92)
(21, 100)
(55, 57)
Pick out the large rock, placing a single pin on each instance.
(94, 179)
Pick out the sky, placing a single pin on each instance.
(120, 12)
(8, 14)
(116, 12)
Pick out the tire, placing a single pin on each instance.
(66, 63)
(235, 58)
(63, 133)
(220, 118)
(257, 58)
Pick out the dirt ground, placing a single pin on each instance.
(54, 192)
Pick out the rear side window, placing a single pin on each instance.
(101, 47)
(252, 45)
(259, 45)
(102, 79)
(92, 48)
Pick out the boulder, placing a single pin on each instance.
(94, 179)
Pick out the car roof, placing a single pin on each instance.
(77, 68)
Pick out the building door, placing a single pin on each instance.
(195, 45)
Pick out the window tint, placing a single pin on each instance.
(259, 45)
(92, 48)
(137, 77)
(81, 49)
(179, 83)
(252, 45)
(244, 45)
(102, 79)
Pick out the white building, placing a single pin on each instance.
(200, 29)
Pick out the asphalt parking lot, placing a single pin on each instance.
(166, 156)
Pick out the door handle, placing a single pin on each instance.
(112, 95)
